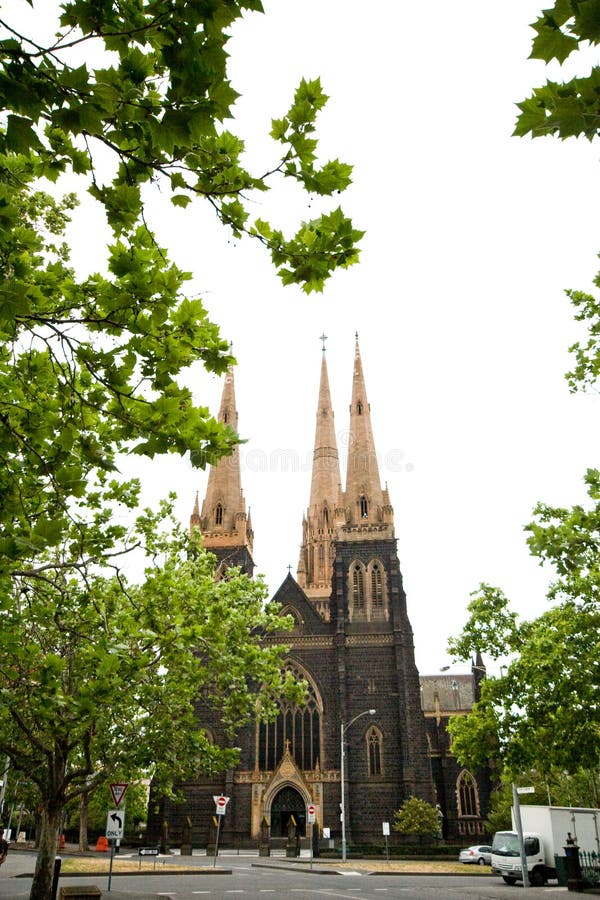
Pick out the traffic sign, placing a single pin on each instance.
(525, 790)
(311, 814)
(115, 824)
(118, 790)
(148, 851)
(221, 803)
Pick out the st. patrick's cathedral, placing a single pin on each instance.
(353, 645)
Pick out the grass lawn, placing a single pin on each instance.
(86, 864)
(120, 866)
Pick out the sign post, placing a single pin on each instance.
(115, 825)
(221, 805)
(147, 851)
(311, 821)
(518, 823)
(386, 834)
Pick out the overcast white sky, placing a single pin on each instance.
(472, 235)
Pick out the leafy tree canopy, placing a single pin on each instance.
(99, 677)
(416, 816)
(92, 367)
(582, 788)
(569, 109)
(543, 712)
(158, 105)
(564, 109)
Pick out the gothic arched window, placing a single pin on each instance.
(359, 408)
(467, 796)
(218, 514)
(377, 592)
(374, 751)
(364, 507)
(297, 728)
(376, 586)
(295, 615)
(357, 585)
(325, 517)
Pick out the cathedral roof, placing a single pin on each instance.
(294, 601)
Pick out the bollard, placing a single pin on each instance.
(573, 866)
(56, 876)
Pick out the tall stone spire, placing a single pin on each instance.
(225, 526)
(318, 527)
(325, 481)
(365, 501)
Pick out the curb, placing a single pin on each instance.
(301, 867)
(200, 870)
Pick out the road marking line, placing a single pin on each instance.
(322, 891)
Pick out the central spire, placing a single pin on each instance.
(326, 466)
(318, 527)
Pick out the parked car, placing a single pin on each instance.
(480, 854)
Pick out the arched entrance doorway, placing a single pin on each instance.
(288, 802)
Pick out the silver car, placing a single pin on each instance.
(480, 854)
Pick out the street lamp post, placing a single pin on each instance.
(343, 730)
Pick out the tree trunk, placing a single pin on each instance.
(83, 822)
(41, 887)
(37, 818)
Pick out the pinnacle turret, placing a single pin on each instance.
(223, 521)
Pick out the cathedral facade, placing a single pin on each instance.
(352, 643)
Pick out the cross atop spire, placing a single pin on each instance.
(323, 338)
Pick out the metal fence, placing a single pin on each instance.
(590, 867)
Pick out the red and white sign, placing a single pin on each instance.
(118, 790)
(311, 814)
(221, 803)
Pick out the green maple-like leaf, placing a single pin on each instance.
(20, 135)
(551, 42)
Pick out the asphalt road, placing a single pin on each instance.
(247, 878)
